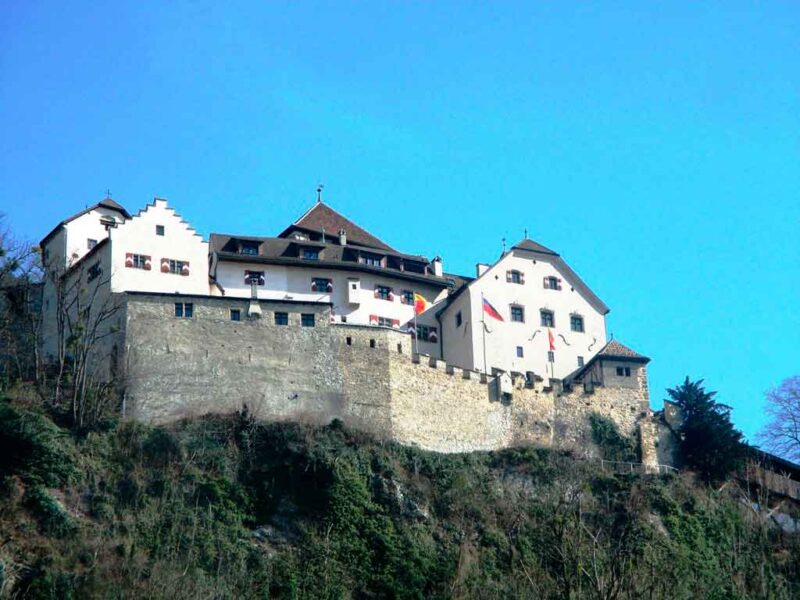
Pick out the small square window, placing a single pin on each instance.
(623, 371)
(236, 314)
(551, 356)
(188, 308)
(179, 309)
(383, 292)
(518, 314)
(90, 243)
(552, 283)
(349, 341)
(580, 361)
(548, 318)
(94, 272)
(159, 230)
(372, 343)
(307, 320)
(458, 319)
(281, 318)
(519, 352)
(310, 254)
(576, 323)
(407, 297)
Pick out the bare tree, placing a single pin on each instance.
(781, 435)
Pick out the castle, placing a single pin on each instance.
(327, 321)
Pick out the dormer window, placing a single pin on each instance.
(310, 254)
(250, 248)
(373, 260)
(254, 277)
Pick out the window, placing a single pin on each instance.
(250, 248)
(576, 323)
(310, 254)
(372, 343)
(548, 318)
(236, 314)
(349, 341)
(580, 361)
(459, 320)
(384, 322)
(372, 260)
(425, 333)
(519, 352)
(184, 310)
(137, 261)
(623, 371)
(307, 320)
(514, 277)
(383, 292)
(176, 267)
(94, 272)
(256, 277)
(551, 356)
(552, 283)
(322, 285)
(518, 314)
(407, 297)
(90, 243)
(159, 230)
(281, 318)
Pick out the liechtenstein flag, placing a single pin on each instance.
(491, 310)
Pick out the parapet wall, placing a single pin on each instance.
(367, 376)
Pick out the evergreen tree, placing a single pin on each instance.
(709, 443)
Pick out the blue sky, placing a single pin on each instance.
(656, 146)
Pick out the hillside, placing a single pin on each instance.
(233, 508)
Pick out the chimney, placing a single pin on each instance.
(343, 237)
(481, 268)
(254, 310)
(437, 266)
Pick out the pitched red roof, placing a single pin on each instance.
(321, 216)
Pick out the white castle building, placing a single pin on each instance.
(527, 313)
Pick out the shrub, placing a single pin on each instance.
(53, 519)
(613, 446)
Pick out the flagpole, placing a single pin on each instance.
(483, 326)
(416, 331)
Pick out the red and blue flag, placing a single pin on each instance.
(491, 310)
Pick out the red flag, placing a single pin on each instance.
(552, 340)
(420, 304)
(491, 310)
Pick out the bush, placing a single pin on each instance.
(612, 444)
(53, 519)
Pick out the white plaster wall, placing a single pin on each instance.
(294, 283)
(458, 342)
(179, 242)
(504, 337)
(85, 227)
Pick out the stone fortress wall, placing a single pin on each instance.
(368, 377)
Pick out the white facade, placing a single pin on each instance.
(351, 292)
(158, 234)
(506, 340)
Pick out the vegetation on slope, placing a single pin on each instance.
(234, 508)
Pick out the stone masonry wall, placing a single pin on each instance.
(367, 376)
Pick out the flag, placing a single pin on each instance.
(552, 340)
(491, 311)
(420, 304)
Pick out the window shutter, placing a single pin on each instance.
(559, 284)
(544, 282)
(377, 296)
(329, 287)
(395, 322)
(185, 269)
(313, 285)
(165, 265)
(373, 319)
(147, 264)
(508, 276)
(522, 278)
(129, 260)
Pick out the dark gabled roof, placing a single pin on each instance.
(617, 350)
(527, 244)
(104, 203)
(321, 216)
(613, 350)
(577, 282)
(278, 251)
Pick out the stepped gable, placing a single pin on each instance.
(321, 216)
(104, 203)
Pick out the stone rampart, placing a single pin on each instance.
(367, 376)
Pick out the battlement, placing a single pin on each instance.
(370, 377)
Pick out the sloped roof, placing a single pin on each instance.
(104, 203)
(527, 244)
(321, 216)
(615, 349)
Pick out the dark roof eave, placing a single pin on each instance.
(339, 266)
